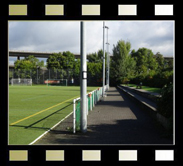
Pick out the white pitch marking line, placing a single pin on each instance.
(49, 129)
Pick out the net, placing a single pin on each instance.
(21, 81)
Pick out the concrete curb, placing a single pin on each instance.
(150, 110)
(148, 95)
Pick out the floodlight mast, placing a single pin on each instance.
(83, 81)
(103, 60)
(107, 73)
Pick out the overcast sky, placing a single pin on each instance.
(59, 36)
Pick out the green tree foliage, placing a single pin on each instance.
(168, 64)
(28, 63)
(139, 66)
(165, 103)
(96, 57)
(122, 64)
(152, 70)
(60, 60)
(77, 65)
(145, 61)
(94, 71)
(93, 57)
(26, 68)
(130, 67)
(160, 60)
(95, 67)
(63, 61)
(76, 71)
(69, 60)
(146, 65)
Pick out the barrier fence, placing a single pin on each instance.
(40, 75)
(92, 99)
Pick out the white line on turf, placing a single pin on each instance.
(49, 130)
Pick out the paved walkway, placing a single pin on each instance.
(140, 97)
(117, 120)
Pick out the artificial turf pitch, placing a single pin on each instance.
(35, 109)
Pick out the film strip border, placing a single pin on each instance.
(90, 10)
(91, 155)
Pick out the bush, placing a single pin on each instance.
(165, 106)
(165, 103)
(153, 79)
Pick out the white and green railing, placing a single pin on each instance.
(92, 99)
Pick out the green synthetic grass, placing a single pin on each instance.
(35, 109)
(147, 88)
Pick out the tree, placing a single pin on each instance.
(130, 67)
(69, 60)
(146, 64)
(94, 73)
(165, 103)
(96, 57)
(60, 60)
(25, 68)
(93, 57)
(141, 60)
(28, 63)
(168, 64)
(64, 62)
(122, 63)
(151, 61)
(55, 61)
(160, 61)
(95, 67)
(76, 71)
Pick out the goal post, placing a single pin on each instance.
(56, 82)
(21, 81)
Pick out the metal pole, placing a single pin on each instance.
(83, 83)
(103, 59)
(107, 74)
(74, 116)
(108, 69)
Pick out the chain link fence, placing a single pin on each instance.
(39, 76)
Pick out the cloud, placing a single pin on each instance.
(150, 34)
(44, 36)
(55, 36)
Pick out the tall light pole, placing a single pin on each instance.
(108, 61)
(107, 74)
(108, 70)
(103, 95)
(83, 81)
